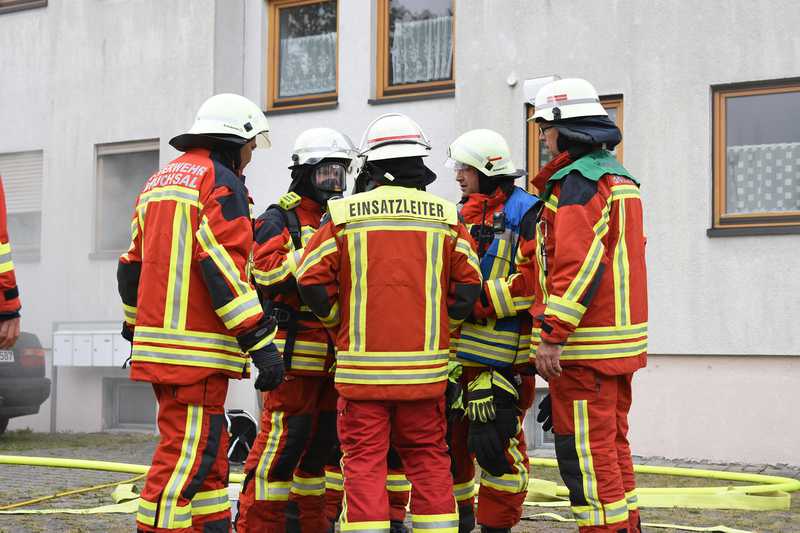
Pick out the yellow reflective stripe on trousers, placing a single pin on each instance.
(210, 502)
(375, 526)
(171, 516)
(580, 412)
(184, 337)
(591, 263)
(326, 248)
(433, 291)
(221, 257)
(357, 251)
(621, 269)
(6, 264)
(187, 357)
(334, 481)
(464, 248)
(397, 483)
(465, 491)
(130, 314)
(440, 523)
(146, 514)
(516, 482)
(616, 512)
(180, 262)
(240, 309)
(565, 310)
(308, 486)
(264, 489)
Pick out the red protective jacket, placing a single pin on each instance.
(184, 282)
(275, 264)
(589, 264)
(395, 265)
(9, 293)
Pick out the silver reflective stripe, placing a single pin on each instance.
(303, 486)
(488, 335)
(564, 309)
(241, 308)
(266, 459)
(4, 258)
(358, 292)
(434, 525)
(642, 346)
(158, 194)
(574, 101)
(633, 499)
(434, 295)
(187, 358)
(398, 224)
(393, 377)
(171, 494)
(209, 501)
(585, 456)
(511, 483)
(194, 339)
(622, 251)
(397, 483)
(181, 256)
(570, 295)
(616, 512)
(465, 491)
(505, 306)
(424, 358)
(577, 334)
(580, 515)
(150, 513)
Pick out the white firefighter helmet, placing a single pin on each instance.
(229, 115)
(485, 150)
(394, 135)
(567, 98)
(316, 144)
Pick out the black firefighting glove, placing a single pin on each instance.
(127, 332)
(545, 416)
(485, 443)
(269, 362)
(506, 398)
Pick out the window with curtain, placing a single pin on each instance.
(757, 156)
(303, 41)
(539, 156)
(415, 46)
(122, 169)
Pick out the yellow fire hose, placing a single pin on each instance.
(766, 492)
(72, 492)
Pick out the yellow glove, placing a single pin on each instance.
(480, 400)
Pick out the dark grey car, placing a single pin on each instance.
(23, 387)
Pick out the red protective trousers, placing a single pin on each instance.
(287, 461)
(500, 498)
(187, 484)
(590, 422)
(417, 429)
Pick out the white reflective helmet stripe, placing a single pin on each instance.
(559, 103)
(394, 135)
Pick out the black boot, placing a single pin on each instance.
(466, 518)
(397, 527)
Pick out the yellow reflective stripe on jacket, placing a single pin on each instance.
(396, 225)
(271, 277)
(183, 337)
(580, 413)
(604, 351)
(146, 514)
(130, 314)
(268, 338)
(440, 523)
(174, 193)
(465, 491)
(310, 348)
(601, 334)
(621, 270)
(221, 257)
(464, 248)
(326, 248)
(552, 203)
(592, 261)
(433, 289)
(500, 297)
(505, 356)
(308, 486)
(271, 490)
(6, 264)
(171, 515)
(392, 359)
(186, 357)
(616, 512)
(334, 481)
(240, 309)
(501, 265)
(632, 499)
(357, 252)
(332, 319)
(180, 262)
(210, 502)
(565, 310)
(368, 368)
(623, 192)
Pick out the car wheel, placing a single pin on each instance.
(3, 424)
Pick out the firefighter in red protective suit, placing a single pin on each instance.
(590, 312)
(395, 268)
(9, 293)
(192, 314)
(497, 385)
(285, 475)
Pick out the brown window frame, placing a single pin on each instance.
(312, 101)
(9, 6)
(743, 223)
(385, 91)
(532, 133)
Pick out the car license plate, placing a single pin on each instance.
(6, 356)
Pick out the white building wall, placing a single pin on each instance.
(708, 296)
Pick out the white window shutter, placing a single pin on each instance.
(22, 181)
